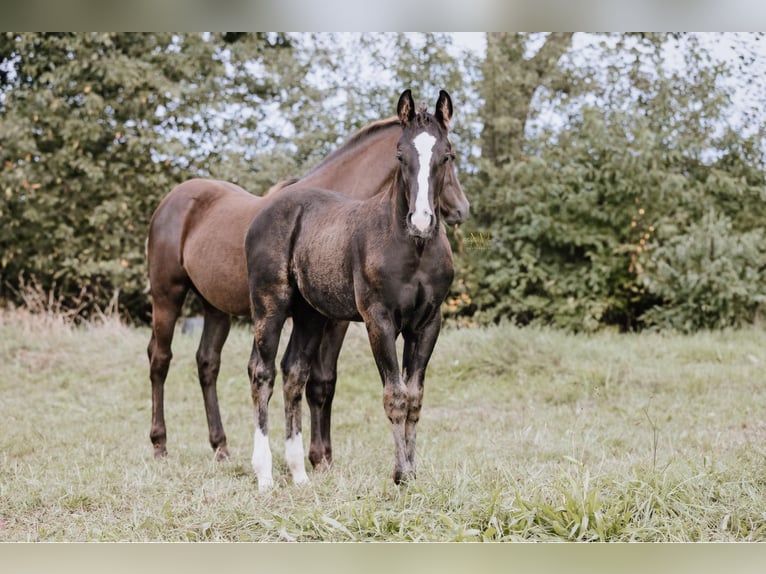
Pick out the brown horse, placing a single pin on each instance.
(319, 255)
(196, 242)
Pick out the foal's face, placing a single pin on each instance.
(425, 154)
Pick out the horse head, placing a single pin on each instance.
(426, 158)
(454, 206)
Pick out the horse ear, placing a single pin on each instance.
(444, 108)
(405, 109)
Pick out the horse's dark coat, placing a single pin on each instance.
(320, 255)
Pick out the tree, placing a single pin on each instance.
(510, 79)
(91, 138)
(628, 153)
(96, 128)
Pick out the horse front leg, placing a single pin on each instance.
(418, 346)
(382, 334)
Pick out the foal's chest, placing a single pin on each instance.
(415, 288)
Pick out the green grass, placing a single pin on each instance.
(525, 434)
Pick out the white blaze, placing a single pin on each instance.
(262, 460)
(421, 216)
(294, 459)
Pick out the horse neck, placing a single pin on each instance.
(361, 168)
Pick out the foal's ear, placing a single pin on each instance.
(444, 109)
(405, 109)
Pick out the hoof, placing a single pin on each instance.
(403, 477)
(322, 466)
(265, 484)
(160, 452)
(302, 481)
(222, 454)
(320, 463)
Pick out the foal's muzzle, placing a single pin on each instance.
(421, 224)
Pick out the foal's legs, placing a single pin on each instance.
(166, 307)
(320, 391)
(214, 333)
(418, 346)
(382, 334)
(308, 326)
(269, 314)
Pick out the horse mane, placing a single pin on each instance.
(369, 130)
(281, 185)
(423, 117)
(358, 136)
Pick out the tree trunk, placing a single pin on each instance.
(509, 84)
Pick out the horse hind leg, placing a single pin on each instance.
(267, 328)
(305, 339)
(166, 307)
(320, 392)
(214, 333)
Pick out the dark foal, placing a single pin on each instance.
(319, 256)
(196, 243)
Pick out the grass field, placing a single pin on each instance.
(525, 434)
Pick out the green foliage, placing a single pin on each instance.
(591, 223)
(708, 277)
(80, 174)
(595, 165)
(96, 128)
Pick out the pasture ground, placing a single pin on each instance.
(525, 434)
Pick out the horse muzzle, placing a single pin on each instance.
(456, 214)
(421, 223)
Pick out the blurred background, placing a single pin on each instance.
(616, 179)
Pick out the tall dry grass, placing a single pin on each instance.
(47, 309)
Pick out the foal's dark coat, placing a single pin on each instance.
(196, 242)
(319, 255)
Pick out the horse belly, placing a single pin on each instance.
(217, 268)
(324, 280)
(334, 305)
(222, 283)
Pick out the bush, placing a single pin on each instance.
(709, 277)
